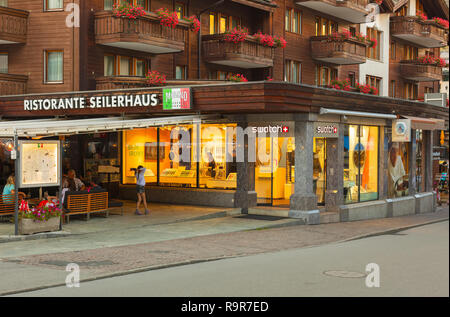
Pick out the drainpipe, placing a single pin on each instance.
(200, 34)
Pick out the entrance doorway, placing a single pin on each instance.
(275, 170)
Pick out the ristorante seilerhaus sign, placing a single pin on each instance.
(113, 101)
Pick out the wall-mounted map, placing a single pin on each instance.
(39, 163)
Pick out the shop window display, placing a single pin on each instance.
(360, 163)
(420, 162)
(398, 167)
(140, 148)
(319, 169)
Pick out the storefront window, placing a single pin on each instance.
(319, 169)
(177, 165)
(420, 163)
(398, 169)
(218, 156)
(360, 163)
(140, 148)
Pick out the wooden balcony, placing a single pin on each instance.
(412, 70)
(338, 52)
(144, 34)
(13, 25)
(13, 84)
(246, 54)
(425, 34)
(353, 11)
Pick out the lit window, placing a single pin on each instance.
(4, 63)
(180, 72)
(109, 66)
(53, 4)
(180, 10)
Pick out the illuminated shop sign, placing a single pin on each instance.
(116, 101)
(326, 130)
(271, 129)
(177, 98)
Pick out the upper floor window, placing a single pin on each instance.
(352, 78)
(325, 26)
(220, 23)
(293, 21)
(374, 52)
(410, 52)
(3, 63)
(293, 71)
(180, 9)
(180, 72)
(117, 65)
(393, 89)
(403, 11)
(54, 66)
(3, 3)
(53, 5)
(393, 51)
(411, 91)
(374, 82)
(324, 75)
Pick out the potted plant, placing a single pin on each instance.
(155, 78)
(45, 217)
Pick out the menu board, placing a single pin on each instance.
(39, 164)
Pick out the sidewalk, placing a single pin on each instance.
(23, 269)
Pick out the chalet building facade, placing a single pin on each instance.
(337, 149)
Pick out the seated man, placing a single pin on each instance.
(71, 176)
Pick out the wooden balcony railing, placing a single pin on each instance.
(144, 34)
(13, 25)
(13, 84)
(349, 10)
(413, 30)
(246, 54)
(338, 52)
(412, 70)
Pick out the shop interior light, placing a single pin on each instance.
(358, 113)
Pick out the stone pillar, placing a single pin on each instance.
(334, 195)
(428, 139)
(412, 164)
(304, 200)
(245, 195)
(383, 163)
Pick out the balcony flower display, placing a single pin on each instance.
(442, 22)
(237, 78)
(346, 35)
(429, 60)
(341, 84)
(169, 19)
(366, 89)
(422, 16)
(269, 40)
(236, 35)
(155, 78)
(128, 11)
(195, 23)
(379, 2)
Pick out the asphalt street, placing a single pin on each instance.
(414, 262)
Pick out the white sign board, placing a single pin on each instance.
(39, 164)
(401, 130)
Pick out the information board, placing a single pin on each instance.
(39, 164)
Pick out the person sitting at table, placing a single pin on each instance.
(71, 176)
(10, 189)
(90, 180)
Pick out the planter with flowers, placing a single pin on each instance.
(128, 11)
(341, 85)
(366, 89)
(46, 217)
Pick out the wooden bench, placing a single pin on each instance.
(7, 208)
(86, 203)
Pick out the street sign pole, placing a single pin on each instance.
(16, 189)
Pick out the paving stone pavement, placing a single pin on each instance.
(110, 261)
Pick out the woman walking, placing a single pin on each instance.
(140, 187)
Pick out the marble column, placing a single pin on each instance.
(334, 195)
(428, 140)
(303, 203)
(383, 163)
(412, 164)
(245, 196)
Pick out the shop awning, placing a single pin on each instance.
(51, 127)
(426, 123)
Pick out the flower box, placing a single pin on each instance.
(31, 226)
